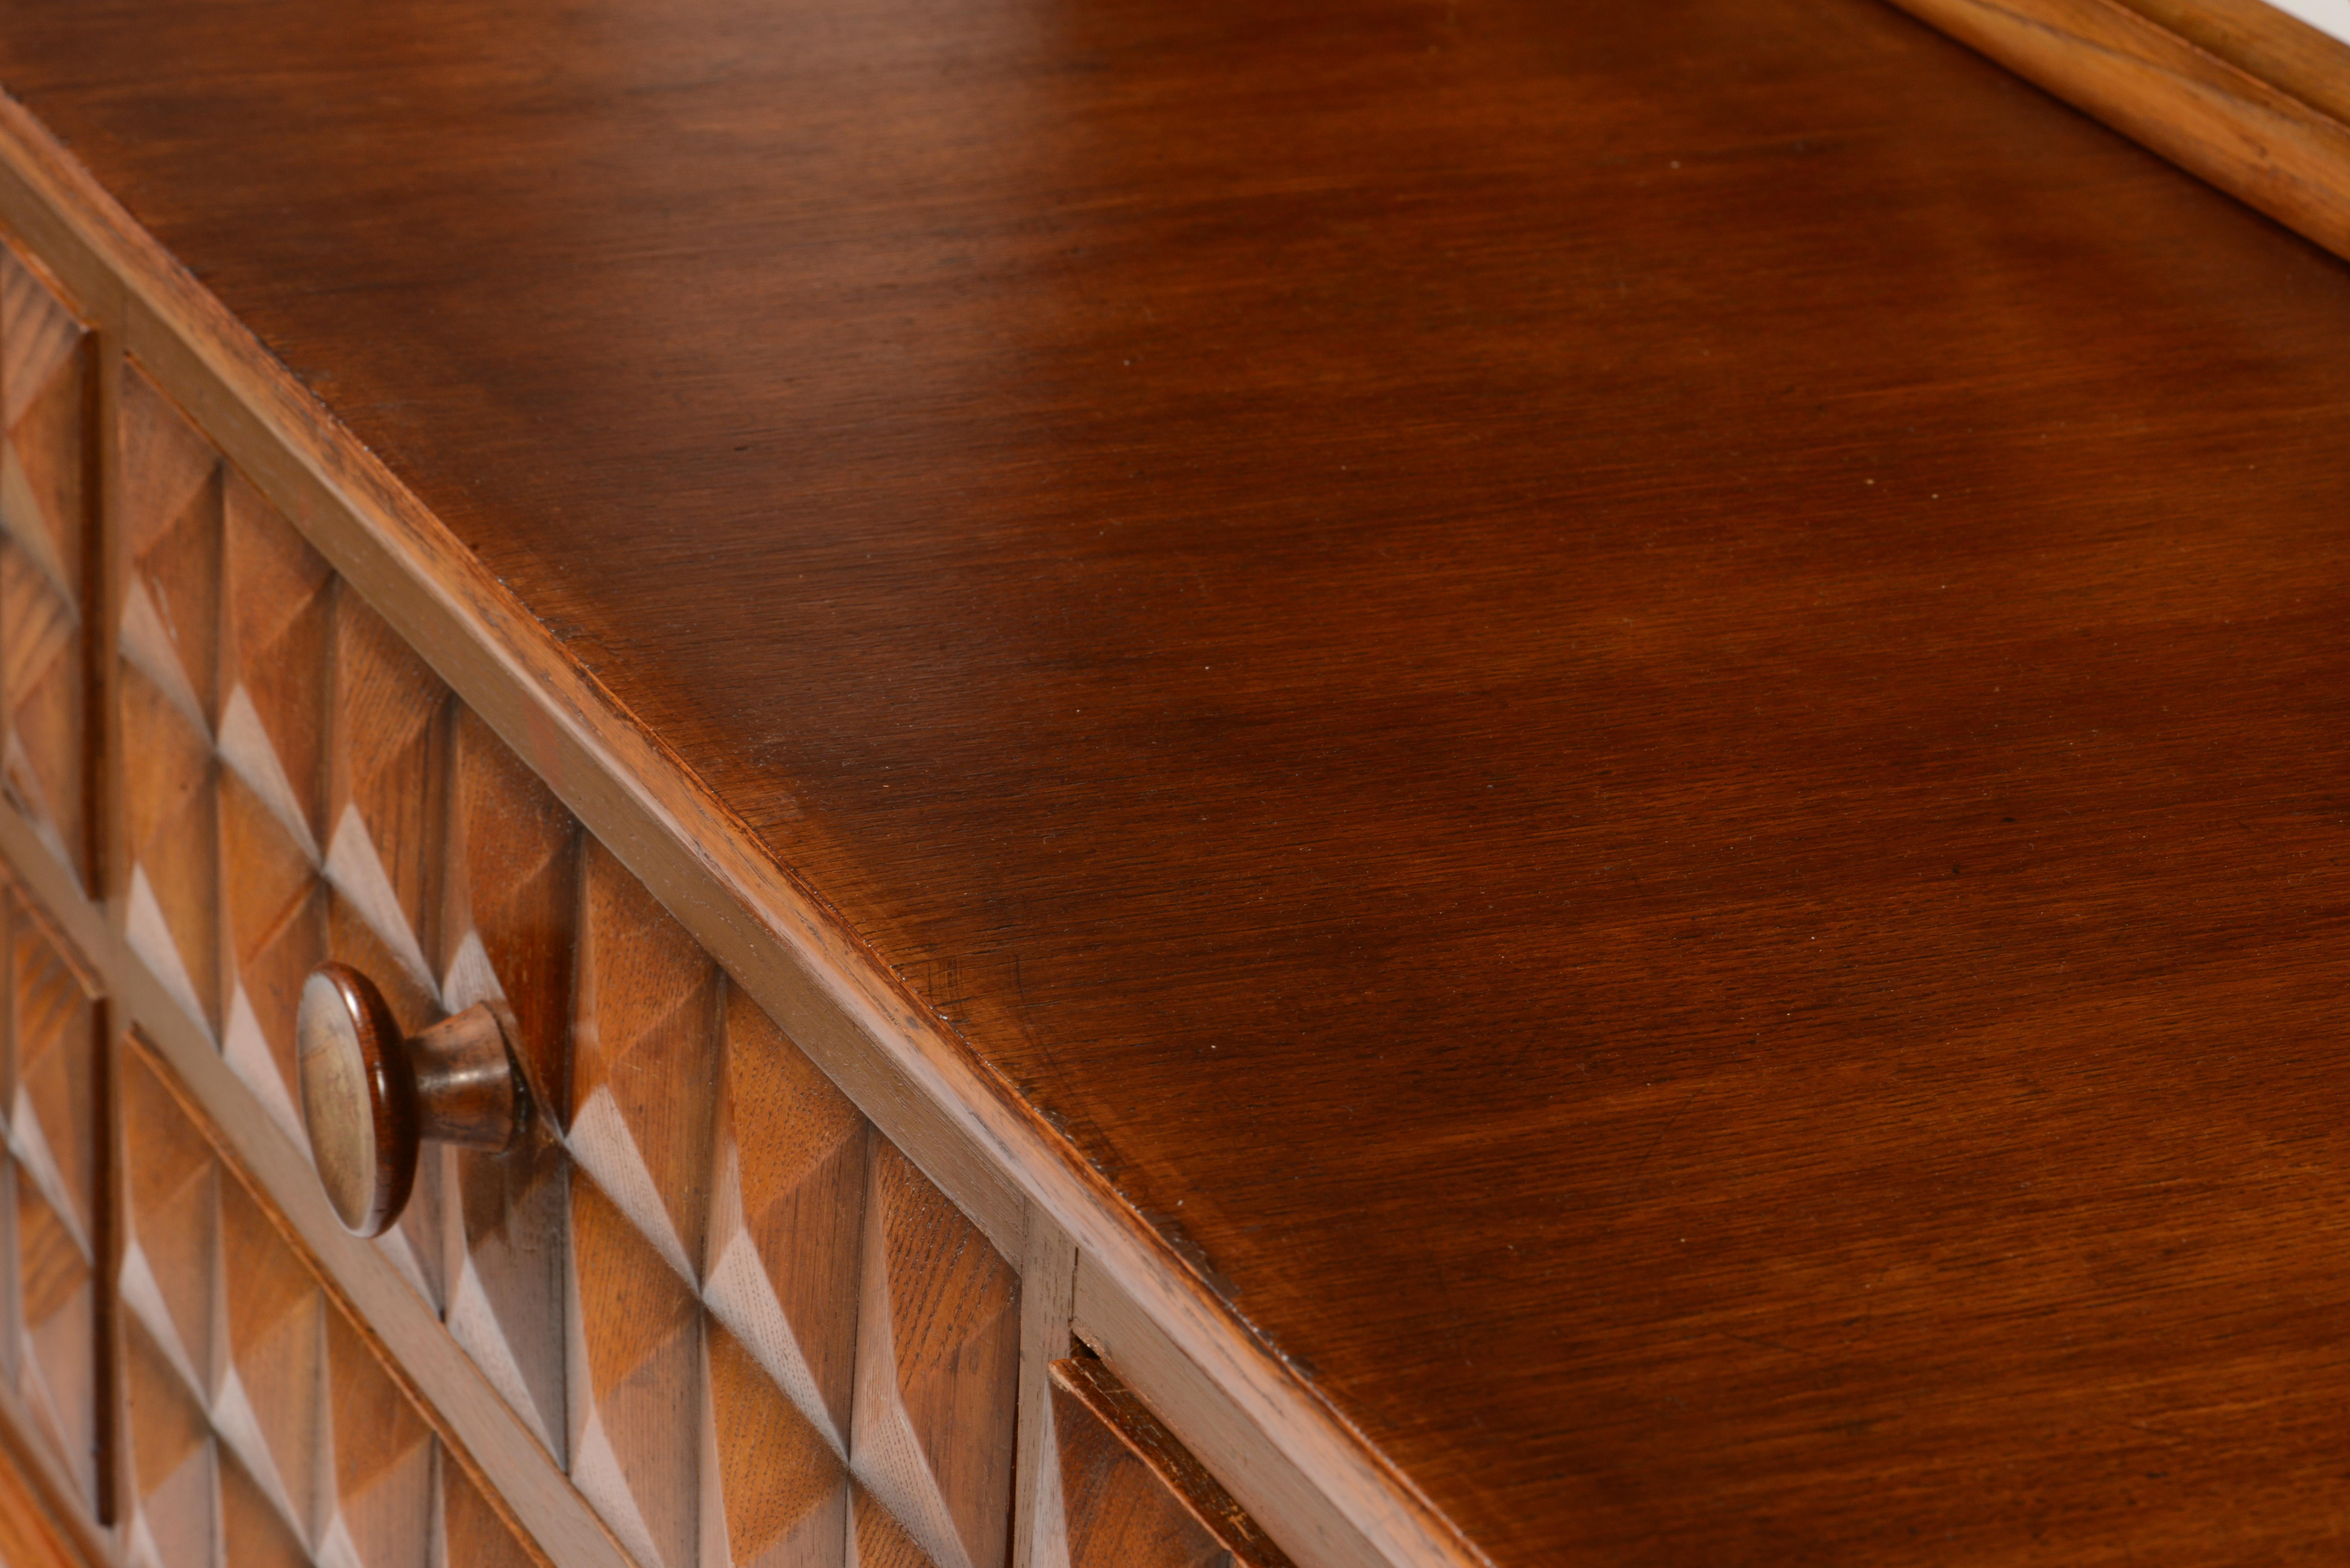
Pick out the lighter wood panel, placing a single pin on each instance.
(49, 1051)
(788, 1212)
(635, 1383)
(937, 1368)
(45, 440)
(774, 1492)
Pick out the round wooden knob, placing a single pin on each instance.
(371, 1099)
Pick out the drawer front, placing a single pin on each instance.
(740, 1349)
(260, 1426)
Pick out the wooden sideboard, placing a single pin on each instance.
(1374, 787)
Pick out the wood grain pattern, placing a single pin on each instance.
(1048, 1288)
(2245, 96)
(905, 1070)
(635, 1371)
(1288, 1495)
(776, 1493)
(876, 1539)
(1648, 607)
(509, 927)
(171, 520)
(787, 1218)
(645, 1060)
(937, 1357)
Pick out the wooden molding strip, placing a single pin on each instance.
(925, 1087)
(2235, 91)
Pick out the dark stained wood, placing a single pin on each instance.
(1630, 708)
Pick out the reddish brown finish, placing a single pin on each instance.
(1633, 707)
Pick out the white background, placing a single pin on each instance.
(2334, 16)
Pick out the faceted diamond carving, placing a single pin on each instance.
(380, 1458)
(175, 1480)
(773, 1493)
(276, 602)
(787, 1209)
(635, 1374)
(513, 905)
(267, 1404)
(48, 1201)
(511, 909)
(387, 793)
(471, 1535)
(260, 1427)
(1117, 1510)
(645, 1037)
(878, 1541)
(937, 1367)
(44, 511)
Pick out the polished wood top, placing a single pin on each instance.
(1634, 707)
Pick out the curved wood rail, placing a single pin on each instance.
(2236, 92)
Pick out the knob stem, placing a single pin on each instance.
(466, 1082)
